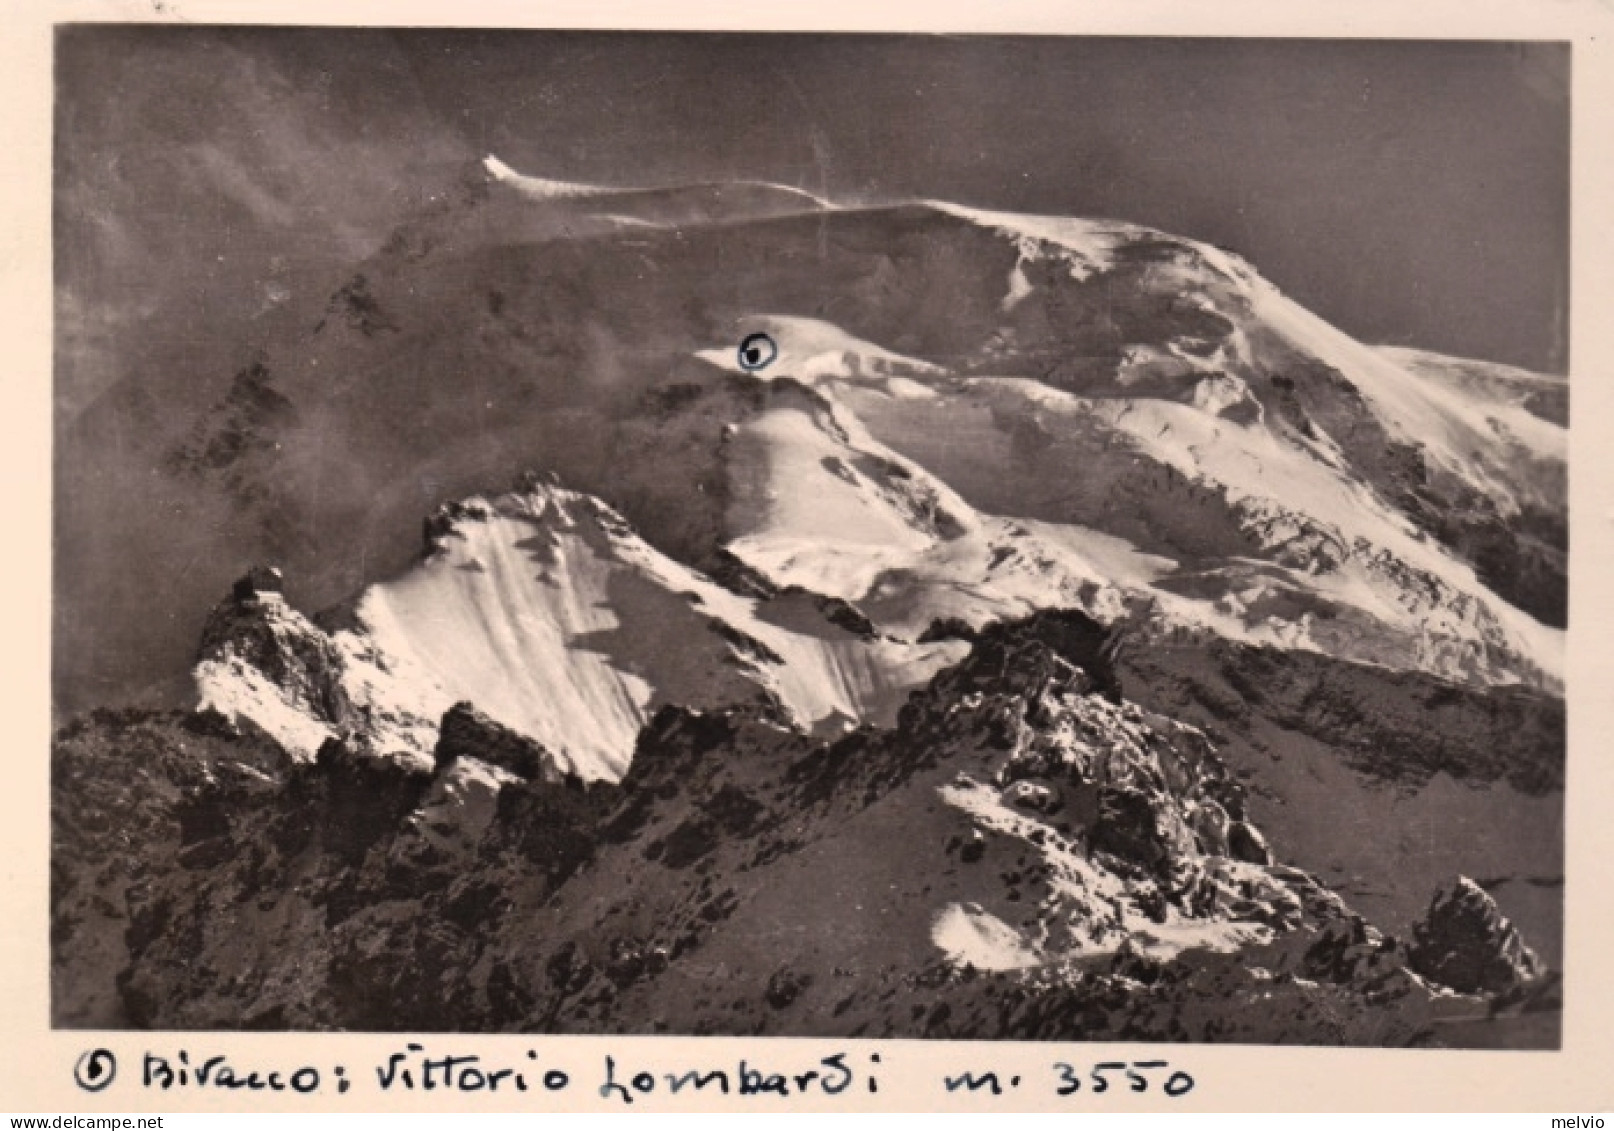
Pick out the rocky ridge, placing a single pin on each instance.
(1038, 856)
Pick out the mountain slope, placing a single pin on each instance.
(562, 625)
(907, 620)
(1025, 855)
(505, 329)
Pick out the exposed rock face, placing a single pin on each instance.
(243, 427)
(1466, 943)
(263, 664)
(1353, 952)
(257, 625)
(1246, 843)
(139, 802)
(1390, 725)
(258, 580)
(445, 521)
(466, 732)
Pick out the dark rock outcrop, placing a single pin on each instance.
(259, 580)
(1245, 842)
(1137, 827)
(467, 732)
(256, 628)
(440, 523)
(1465, 942)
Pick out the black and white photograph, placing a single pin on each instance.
(1020, 538)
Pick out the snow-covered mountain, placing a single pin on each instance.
(543, 608)
(1062, 539)
(1094, 416)
(1200, 416)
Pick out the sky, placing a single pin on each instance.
(1412, 192)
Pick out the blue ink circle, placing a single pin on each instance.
(757, 352)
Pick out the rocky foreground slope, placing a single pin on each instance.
(1027, 853)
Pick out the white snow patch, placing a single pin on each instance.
(901, 388)
(1496, 393)
(973, 937)
(1087, 246)
(238, 691)
(1216, 394)
(817, 502)
(1019, 286)
(539, 188)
